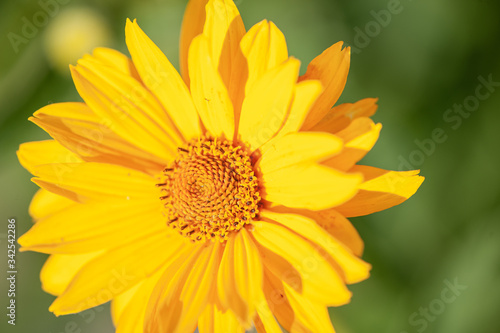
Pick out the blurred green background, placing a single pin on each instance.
(422, 58)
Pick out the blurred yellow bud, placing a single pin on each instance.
(72, 33)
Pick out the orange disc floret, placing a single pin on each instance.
(210, 190)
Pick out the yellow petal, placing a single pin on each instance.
(312, 315)
(381, 189)
(206, 324)
(86, 181)
(209, 93)
(213, 320)
(239, 282)
(307, 270)
(133, 95)
(331, 68)
(295, 148)
(163, 81)
(192, 26)
(167, 289)
(60, 269)
(226, 284)
(181, 296)
(79, 130)
(325, 187)
(116, 60)
(264, 48)
(130, 309)
(116, 271)
(126, 119)
(45, 203)
(120, 302)
(359, 138)
(224, 29)
(355, 269)
(248, 270)
(73, 110)
(94, 226)
(31, 154)
(266, 107)
(342, 115)
(306, 93)
(335, 224)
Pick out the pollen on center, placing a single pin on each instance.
(210, 190)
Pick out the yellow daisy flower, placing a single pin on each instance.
(217, 199)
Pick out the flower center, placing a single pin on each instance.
(210, 190)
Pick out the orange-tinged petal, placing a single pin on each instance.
(213, 320)
(355, 269)
(342, 115)
(192, 26)
(163, 80)
(226, 284)
(31, 154)
(311, 271)
(331, 68)
(99, 226)
(129, 308)
(116, 271)
(325, 187)
(266, 107)
(87, 181)
(127, 120)
(224, 29)
(381, 189)
(209, 92)
(79, 130)
(264, 321)
(264, 48)
(60, 269)
(359, 138)
(45, 203)
(181, 296)
(279, 304)
(295, 148)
